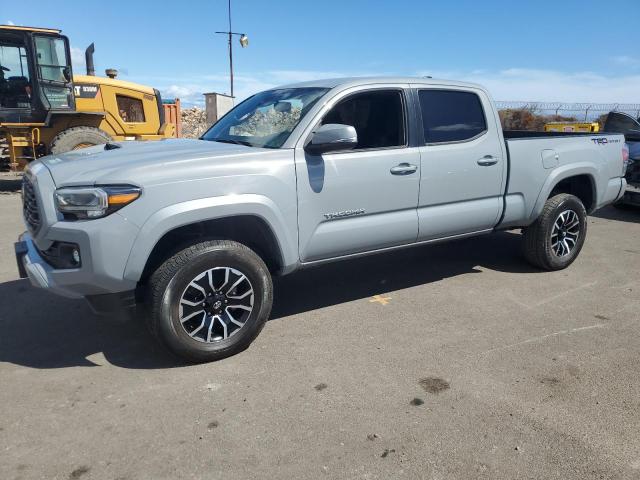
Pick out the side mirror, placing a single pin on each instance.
(331, 138)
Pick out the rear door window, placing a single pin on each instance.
(451, 115)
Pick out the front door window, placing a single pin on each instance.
(15, 84)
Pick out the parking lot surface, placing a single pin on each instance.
(448, 361)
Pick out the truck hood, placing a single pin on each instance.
(139, 163)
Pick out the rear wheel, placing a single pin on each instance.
(555, 239)
(75, 138)
(210, 300)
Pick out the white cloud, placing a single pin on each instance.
(517, 84)
(552, 86)
(190, 90)
(9, 22)
(77, 59)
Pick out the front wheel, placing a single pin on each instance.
(210, 300)
(555, 239)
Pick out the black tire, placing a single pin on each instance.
(77, 137)
(169, 282)
(538, 245)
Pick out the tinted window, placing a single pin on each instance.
(451, 116)
(130, 109)
(377, 117)
(15, 86)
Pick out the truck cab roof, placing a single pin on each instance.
(359, 81)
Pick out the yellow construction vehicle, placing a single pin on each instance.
(584, 127)
(45, 109)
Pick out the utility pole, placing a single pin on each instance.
(244, 42)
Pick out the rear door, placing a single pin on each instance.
(462, 161)
(366, 198)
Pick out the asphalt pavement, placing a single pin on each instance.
(448, 361)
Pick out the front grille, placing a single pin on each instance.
(30, 210)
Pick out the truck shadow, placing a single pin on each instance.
(41, 330)
(10, 185)
(627, 213)
(364, 277)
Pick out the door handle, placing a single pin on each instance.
(403, 169)
(487, 161)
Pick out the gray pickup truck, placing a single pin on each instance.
(294, 177)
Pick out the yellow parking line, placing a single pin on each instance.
(380, 299)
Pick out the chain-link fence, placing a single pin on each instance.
(580, 111)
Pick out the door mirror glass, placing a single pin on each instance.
(332, 137)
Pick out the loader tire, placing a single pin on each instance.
(75, 138)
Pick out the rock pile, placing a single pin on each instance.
(194, 122)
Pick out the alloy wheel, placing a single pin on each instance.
(216, 304)
(565, 233)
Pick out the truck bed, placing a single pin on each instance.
(524, 134)
(538, 160)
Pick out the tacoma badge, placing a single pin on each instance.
(344, 213)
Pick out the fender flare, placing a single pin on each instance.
(212, 208)
(560, 174)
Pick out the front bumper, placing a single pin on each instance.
(104, 246)
(31, 265)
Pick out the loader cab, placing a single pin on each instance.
(35, 74)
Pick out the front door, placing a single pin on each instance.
(463, 163)
(15, 83)
(366, 198)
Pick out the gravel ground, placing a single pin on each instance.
(451, 361)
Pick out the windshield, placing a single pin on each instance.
(266, 119)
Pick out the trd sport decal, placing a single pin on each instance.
(604, 140)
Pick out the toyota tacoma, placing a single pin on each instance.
(194, 230)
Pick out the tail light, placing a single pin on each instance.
(625, 158)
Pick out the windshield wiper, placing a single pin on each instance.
(235, 142)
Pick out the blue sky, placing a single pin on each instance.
(544, 50)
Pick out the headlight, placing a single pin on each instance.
(77, 203)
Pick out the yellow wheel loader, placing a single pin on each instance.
(45, 109)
